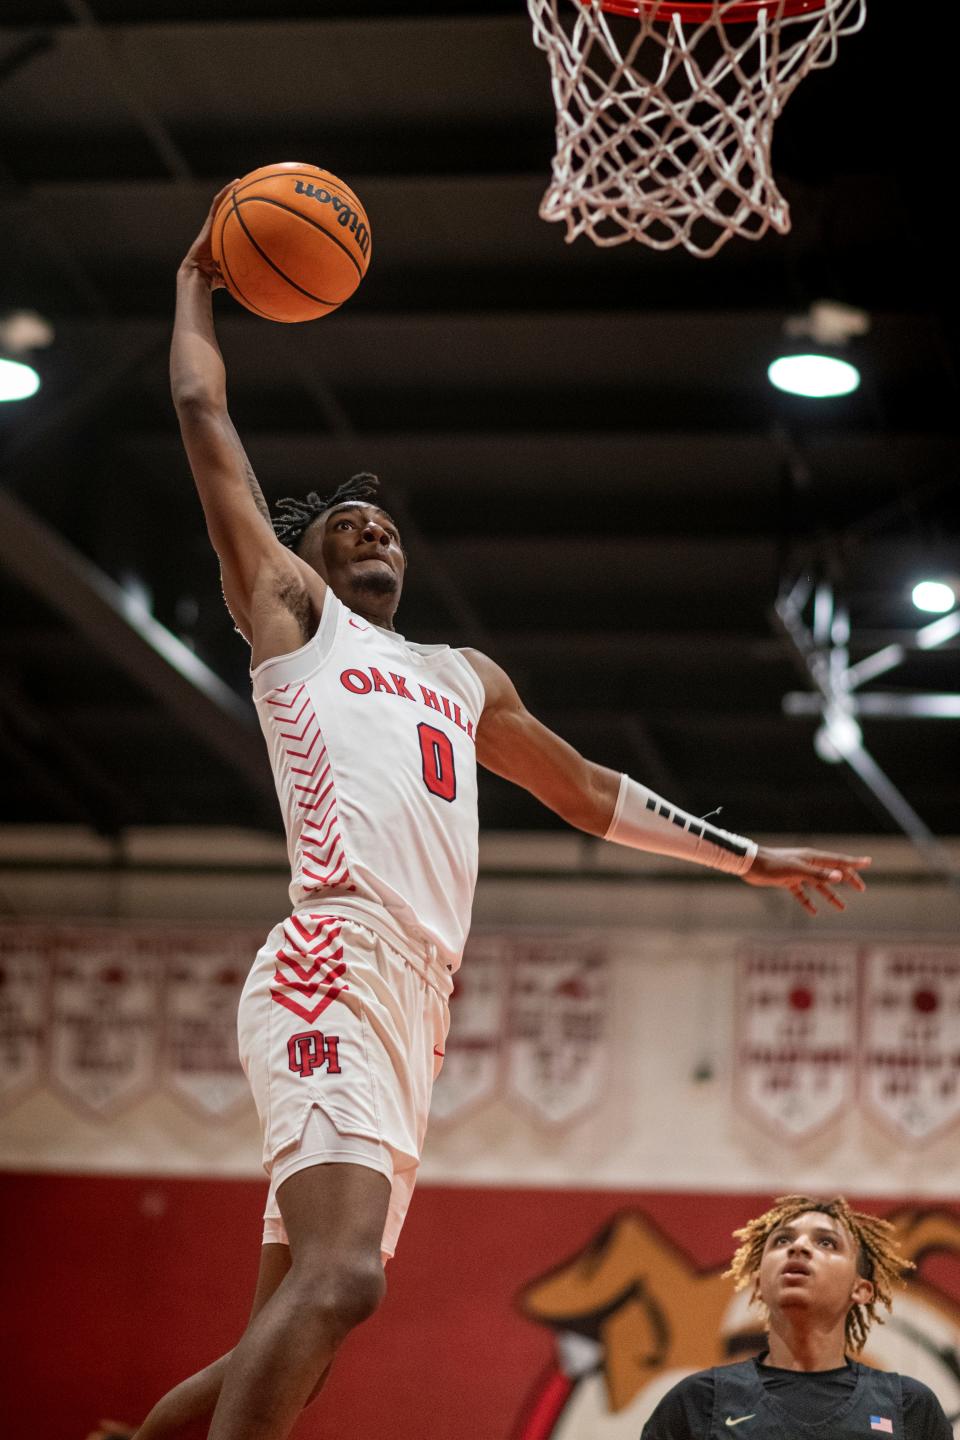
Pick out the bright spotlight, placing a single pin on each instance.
(816, 376)
(17, 381)
(934, 596)
(838, 737)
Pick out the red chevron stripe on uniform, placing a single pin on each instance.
(330, 861)
(315, 804)
(309, 846)
(300, 735)
(308, 753)
(317, 955)
(292, 719)
(328, 881)
(308, 987)
(315, 961)
(313, 789)
(317, 831)
(322, 862)
(318, 846)
(329, 925)
(308, 1015)
(320, 945)
(286, 704)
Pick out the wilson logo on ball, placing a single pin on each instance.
(345, 216)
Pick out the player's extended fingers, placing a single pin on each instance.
(215, 204)
(826, 869)
(818, 873)
(802, 898)
(845, 862)
(852, 877)
(830, 897)
(220, 196)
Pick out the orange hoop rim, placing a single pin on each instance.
(699, 10)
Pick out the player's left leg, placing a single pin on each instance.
(193, 1401)
(334, 1215)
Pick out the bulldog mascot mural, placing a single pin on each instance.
(632, 1315)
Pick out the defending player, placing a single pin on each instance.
(818, 1269)
(374, 742)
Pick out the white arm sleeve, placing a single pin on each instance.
(644, 821)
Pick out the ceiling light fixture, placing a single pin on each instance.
(17, 381)
(934, 596)
(838, 737)
(815, 376)
(21, 331)
(827, 327)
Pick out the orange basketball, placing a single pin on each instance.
(292, 241)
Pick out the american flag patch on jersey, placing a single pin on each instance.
(882, 1423)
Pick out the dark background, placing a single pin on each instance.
(595, 481)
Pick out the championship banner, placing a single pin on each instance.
(199, 1061)
(24, 970)
(105, 1020)
(796, 1035)
(473, 1063)
(910, 1065)
(558, 1037)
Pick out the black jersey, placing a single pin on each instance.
(762, 1402)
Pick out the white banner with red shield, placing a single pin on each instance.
(910, 1059)
(796, 1035)
(203, 980)
(25, 959)
(559, 1023)
(473, 1060)
(106, 1016)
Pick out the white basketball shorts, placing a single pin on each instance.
(334, 1018)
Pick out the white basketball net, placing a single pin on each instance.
(664, 126)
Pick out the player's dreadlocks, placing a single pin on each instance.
(878, 1258)
(292, 518)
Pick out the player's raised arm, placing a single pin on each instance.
(261, 579)
(513, 743)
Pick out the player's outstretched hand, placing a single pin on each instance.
(802, 871)
(200, 255)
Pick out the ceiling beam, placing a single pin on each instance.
(71, 777)
(125, 632)
(21, 52)
(55, 422)
(822, 652)
(653, 769)
(441, 577)
(882, 704)
(129, 93)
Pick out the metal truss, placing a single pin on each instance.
(134, 641)
(823, 650)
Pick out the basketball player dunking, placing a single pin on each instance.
(374, 742)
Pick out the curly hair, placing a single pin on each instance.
(293, 518)
(878, 1258)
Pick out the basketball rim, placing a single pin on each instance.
(700, 10)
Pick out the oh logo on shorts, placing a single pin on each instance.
(311, 1050)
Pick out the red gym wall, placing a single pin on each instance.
(130, 1211)
(113, 1289)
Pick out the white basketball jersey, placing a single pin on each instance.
(372, 740)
